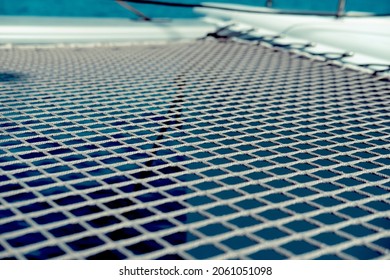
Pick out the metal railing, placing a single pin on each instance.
(340, 12)
(340, 7)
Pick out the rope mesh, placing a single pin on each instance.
(197, 150)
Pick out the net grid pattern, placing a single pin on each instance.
(191, 150)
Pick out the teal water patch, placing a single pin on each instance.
(108, 8)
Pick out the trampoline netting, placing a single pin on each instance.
(194, 150)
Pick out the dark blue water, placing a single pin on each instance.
(108, 8)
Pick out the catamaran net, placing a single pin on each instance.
(193, 150)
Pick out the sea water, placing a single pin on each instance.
(108, 8)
